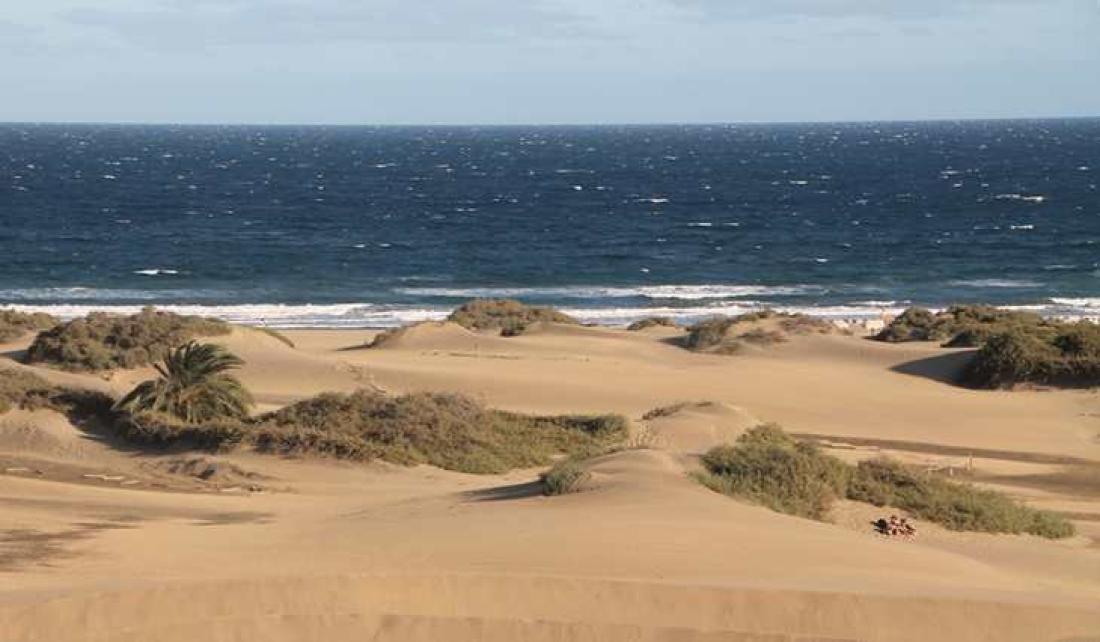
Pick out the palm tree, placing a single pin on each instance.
(193, 386)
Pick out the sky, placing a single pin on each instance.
(546, 61)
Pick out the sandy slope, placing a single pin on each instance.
(335, 551)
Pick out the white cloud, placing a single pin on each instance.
(196, 24)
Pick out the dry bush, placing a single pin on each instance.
(650, 322)
(567, 476)
(726, 335)
(509, 316)
(14, 325)
(102, 341)
(448, 431)
(28, 391)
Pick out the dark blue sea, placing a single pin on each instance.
(365, 226)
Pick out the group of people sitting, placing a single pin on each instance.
(895, 526)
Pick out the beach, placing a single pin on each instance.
(106, 542)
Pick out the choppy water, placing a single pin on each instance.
(355, 226)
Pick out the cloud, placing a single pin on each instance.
(202, 23)
(885, 9)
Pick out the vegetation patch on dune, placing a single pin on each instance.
(449, 431)
(102, 341)
(14, 324)
(652, 322)
(771, 468)
(386, 336)
(666, 411)
(959, 507)
(1065, 355)
(727, 335)
(28, 391)
(565, 477)
(960, 325)
(1015, 347)
(509, 316)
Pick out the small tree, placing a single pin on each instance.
(193, 386)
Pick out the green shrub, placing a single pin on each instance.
(448, 431)
(958, 507)
(649, 322)
(566, 476)
(102, 341)
(777, 471)
(1066, 354)
(509, 316)
(194, 385)
(14, 325)
(726, 335)
(769, 467)
(959, 325)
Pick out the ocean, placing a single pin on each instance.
(367, 226)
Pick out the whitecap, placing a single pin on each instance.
(156, 272)
(996, 283)
(684, 292)
(1037, 198)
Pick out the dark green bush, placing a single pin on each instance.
(14, 325)
(773, 469)
(102, 341)
(1066, 354)
(509, 316)
(959, 325)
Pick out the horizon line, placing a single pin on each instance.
(671, 123)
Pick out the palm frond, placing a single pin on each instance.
(193, 386)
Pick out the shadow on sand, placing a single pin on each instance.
(505, 493)
(945, 368)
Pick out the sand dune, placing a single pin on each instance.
(340, 551)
